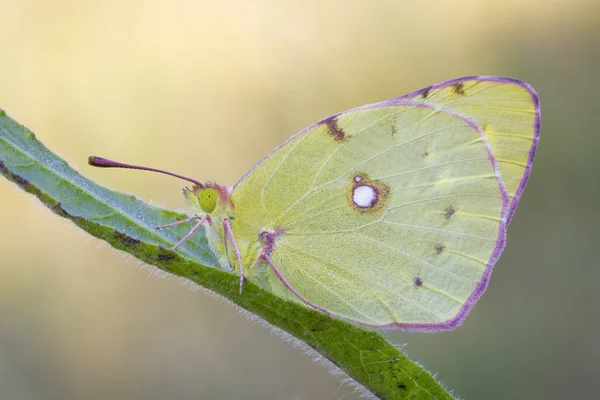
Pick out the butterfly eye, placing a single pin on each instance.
(208, 200)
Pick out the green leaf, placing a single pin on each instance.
(127, 224)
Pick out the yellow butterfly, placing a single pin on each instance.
(388, 215)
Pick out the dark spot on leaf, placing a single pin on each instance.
(126, 239)
(19, 180)
(165, 257)
(439, 248)
(317, 328)
(334, 130)
(459, 88)
(425, 92)
(449, 212)
(28, 187)
(58, 209)
(401, 386)
(418, 281)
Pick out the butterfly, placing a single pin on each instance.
(389, 215)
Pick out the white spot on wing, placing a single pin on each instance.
(357, 178)
(364, 196)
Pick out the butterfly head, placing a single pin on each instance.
(210, 198)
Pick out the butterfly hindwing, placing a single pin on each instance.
(507, 110)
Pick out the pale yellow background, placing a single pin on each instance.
(206, 89)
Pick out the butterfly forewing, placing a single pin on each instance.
(391, 214)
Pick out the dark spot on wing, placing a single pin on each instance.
(459, 88)
(267, 240)
(418, 281)
(126, 239)
(449, 212)
(439, 248)
(425, 154)
(401, 386)
(394, 129)
(380, 195)
(425, 92)
(334, 130)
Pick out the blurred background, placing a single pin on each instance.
(206, 89)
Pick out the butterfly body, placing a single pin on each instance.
(389, 215)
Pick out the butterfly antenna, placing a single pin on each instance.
(105, 163)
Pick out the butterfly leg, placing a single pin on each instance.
(192, 231)
(225, 242)
(228, 233)
(183, 221)
(287, 285)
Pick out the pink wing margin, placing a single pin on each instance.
(509, 209)
(536, 126)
